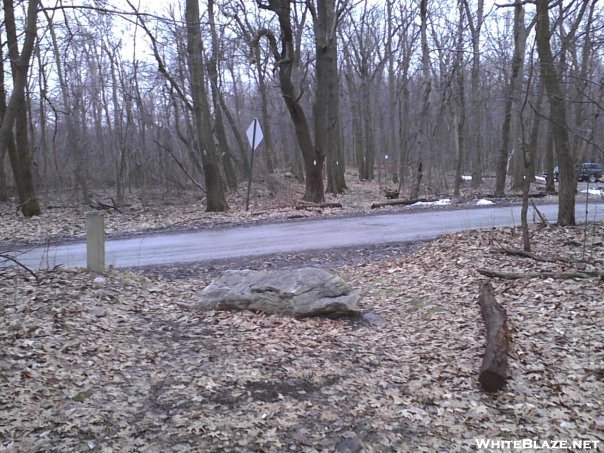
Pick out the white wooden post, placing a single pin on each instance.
(95, 241)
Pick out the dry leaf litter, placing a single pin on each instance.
(125, 362)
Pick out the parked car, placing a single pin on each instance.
(589, 171)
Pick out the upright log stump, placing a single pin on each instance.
(494, 368)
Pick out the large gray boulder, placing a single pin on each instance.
(299, 292)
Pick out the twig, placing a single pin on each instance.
(21, 265)
(555, 275)
(534, 256)
(543, 219)
(181, 166)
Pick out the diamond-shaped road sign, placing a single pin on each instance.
(254, 134)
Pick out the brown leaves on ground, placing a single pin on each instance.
(127, 363)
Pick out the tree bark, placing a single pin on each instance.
(16, 112)
(511, 98)
(423, 139)
(205, 141)
(494, 369)
(459, 116)
(223, 145)
(10, 141)
(313, 158)
(475, 25)
(559, 129)
(327, 105)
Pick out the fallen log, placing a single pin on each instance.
(494, 368)
(512, 195)
(309, 205)
(401, 202)
(555, 275)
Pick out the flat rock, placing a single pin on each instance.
(300, 292)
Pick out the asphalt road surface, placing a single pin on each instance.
(292, 236)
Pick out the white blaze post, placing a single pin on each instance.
(95, 242)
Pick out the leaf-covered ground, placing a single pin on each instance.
(127, 362)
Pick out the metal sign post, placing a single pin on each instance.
(254, 136)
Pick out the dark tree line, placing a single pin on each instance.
(417, 94)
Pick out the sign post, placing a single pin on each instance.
(254, 136)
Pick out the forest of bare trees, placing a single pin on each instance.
(107, 95)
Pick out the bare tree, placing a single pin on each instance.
(15, 114)
(475, 23)
(327, 95)
(423, 141)
(201, 110)
(559, 130)
(313, 157)
(213, 71)
(511, 98)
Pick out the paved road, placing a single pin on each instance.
(294, 236)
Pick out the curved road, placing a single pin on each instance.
(294, 236)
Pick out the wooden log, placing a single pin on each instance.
(401, 202)
(511, 195)
(309, 205)
(494, 369)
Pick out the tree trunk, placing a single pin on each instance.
(216, 201)
(10, 140)
(475, 28)
(494, 368)
(550, 183)
(423, 139)
(327, 105)
(16, 113)
(313, 158)
(459, 118)
(223, 145)
(510, 98)
(551, 80)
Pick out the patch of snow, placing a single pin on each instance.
(466, 178)
(443, 202)
(483, 202)
(540, 178)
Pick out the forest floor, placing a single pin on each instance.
(127, 362)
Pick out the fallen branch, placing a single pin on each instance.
(494, 368)
(309, 205)
(512, 195)
(542, 218)
(554, 275)
(18, 263)
(534, 256)
(401, 202)
(105, 206)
